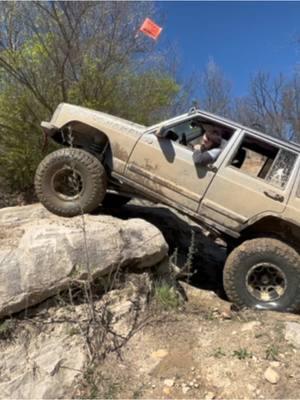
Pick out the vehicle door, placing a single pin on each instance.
(255, 178)
(164, 166)
(292, 211)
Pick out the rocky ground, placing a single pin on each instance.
(146, 338)
(137, 346)
(204, 351)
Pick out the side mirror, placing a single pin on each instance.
(161, 131)
(166, 133)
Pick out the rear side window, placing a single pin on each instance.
(281, 169)
(264, 161)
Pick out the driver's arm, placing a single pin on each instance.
(206, 157)
(202, 159)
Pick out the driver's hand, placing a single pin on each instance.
(197, 147)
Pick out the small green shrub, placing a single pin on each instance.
(89, 377)
(188, 266)
(6, 329)
(112, 390)
(166, 296)
(218, 353)
(74, 331)
(272, 353)
(210, 315)
(242, 354)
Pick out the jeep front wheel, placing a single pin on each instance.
(69, 182)
(263, 273)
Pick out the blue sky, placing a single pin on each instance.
(241, 37)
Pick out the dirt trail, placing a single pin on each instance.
(203, 351)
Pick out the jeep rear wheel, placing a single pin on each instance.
(263, 273)
(70, 181)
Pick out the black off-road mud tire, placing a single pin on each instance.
(250, 258)
(93, 181)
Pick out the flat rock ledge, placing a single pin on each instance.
(41, 254)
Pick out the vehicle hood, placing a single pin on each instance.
(66, 113)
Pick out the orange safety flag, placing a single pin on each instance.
(150, 28)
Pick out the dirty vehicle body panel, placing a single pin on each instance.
(251, 190)
(91, 129)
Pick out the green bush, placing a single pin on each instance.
(166, 296)
(84, 53)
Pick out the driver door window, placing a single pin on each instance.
(186, 133)
(190, 132)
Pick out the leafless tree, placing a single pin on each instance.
(272, 106)
(215, 90)
(265, 101)
(291, 106)
(69, 34)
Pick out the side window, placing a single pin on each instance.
(190, 132)
(185, 132)
(264, 161)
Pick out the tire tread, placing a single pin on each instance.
(259, 245)
(96, 172)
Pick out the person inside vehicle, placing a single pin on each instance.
(209, 149)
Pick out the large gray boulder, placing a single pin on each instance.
(40, 253)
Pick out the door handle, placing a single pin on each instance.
(273, 195)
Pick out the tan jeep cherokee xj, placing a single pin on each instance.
(250, 196)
